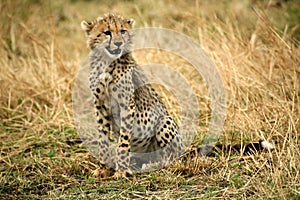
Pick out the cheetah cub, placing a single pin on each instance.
(127, 107)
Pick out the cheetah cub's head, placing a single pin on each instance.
(110, 32)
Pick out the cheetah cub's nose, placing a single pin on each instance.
(118, 44)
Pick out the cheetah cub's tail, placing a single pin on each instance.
(242, 149)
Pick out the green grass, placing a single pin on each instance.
(254, 44)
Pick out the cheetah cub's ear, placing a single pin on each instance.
(131, 23)
(87, 27)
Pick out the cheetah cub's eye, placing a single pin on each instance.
(123, 32)
(107, 33)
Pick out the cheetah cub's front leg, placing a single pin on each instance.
(103, 123)
(127, 110)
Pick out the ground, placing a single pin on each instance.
(254, 44)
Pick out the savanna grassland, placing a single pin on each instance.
(255, 46)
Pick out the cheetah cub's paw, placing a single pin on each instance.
(122, 174)
(102, 173)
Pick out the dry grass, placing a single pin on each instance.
(257, 54)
